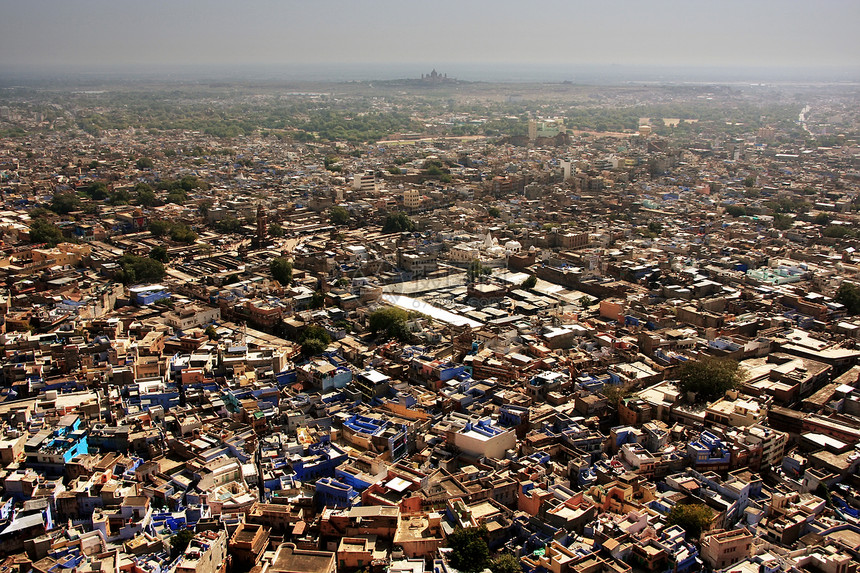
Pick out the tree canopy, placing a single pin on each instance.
(391, 321)
(397, 223)
(505, 563)
(314, 340)
(159, 253)
(145, 195)
(42, 231)
(275, 230)
(694, 518)
(282, 270)
(782, 221)
(144, 163)
(97, 190)
(469, 550)
(64, 203)
(709, 377)
(849, 295)
(140, 269)
(339, 215)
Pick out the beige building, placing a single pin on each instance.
(411, 199)
(419, 535)
(289, 559)
(357, 552)
(723, 548)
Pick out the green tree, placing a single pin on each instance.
(315, 331)
(211, 332)
(179, 542)
(694, 518)
(749, 181)
(177, 197)
(505, 563)
(119, 197)
(314, 340)
(709, 377)
(469, 550)
(839, 232)
(313, 347)
(64, 203)
(848, 294)
(181, 233)
(275, 230)
(282, 270)
(140, 269)
(391, 321)
(228, 225)
(318, 299)
(144, 163)
(822, 219)
(159, 253)
(159, 227)
(782, 222)
(736, 211)
(42, 231)
(204, 206)
(530, 282)
(97, 190)
(476, 270)
(614, 393)
(494, 212)
(398, 222)
(145, 195)
(338, 215)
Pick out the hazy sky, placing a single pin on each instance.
(98, 33)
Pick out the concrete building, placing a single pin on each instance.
(723, 548)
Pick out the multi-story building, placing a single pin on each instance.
(723, 548)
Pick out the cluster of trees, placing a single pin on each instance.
(159, 253)
(144, 163)
(338, 215)
(65, 202)
(314, 340)
(839, 232)
(337, 125)
(391, 321)
(398, 222)
(849, 295)
(282, 270)
(476, 271)
(140, 269)
(275, 230)
(179, 232)
(694, 518)
(228, 224)
(782, 221)
(470, 553)
(788, 205)
(709, 378)
(435, 169)
(43, 231)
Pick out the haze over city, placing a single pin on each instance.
(337, 38)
